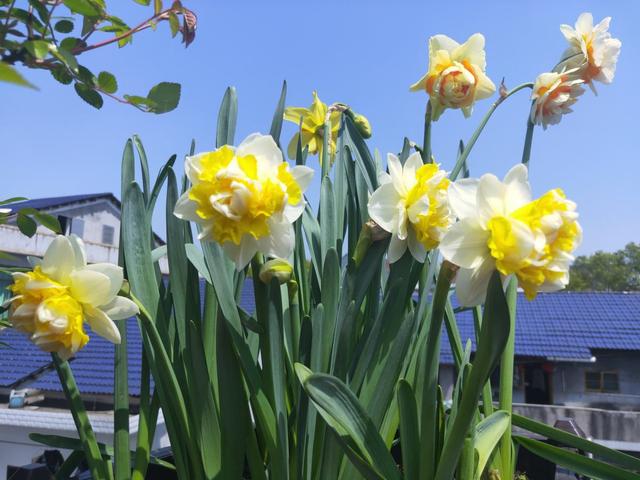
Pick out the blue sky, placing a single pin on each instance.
(362, 53)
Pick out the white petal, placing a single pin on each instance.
(120, 308)
(462, 198)
(243, 253)
(415, 247)
(472, 50)
(59, 259)
(115, 274)
(471, 284)
(101, 324)
(490, 197)
(395, 170)
(383, 207)
(78, 250)
(396, 250)
(193, 167)
(264, 149)
(303, 176)
(281, 239)
(518, 190)
(411, 166)
(293, 212)
(185, 208)
(465, 244)
(89, 287)
(420, 85)
(442, 42)
(584, 24)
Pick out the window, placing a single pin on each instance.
(107, 234)
(77, 226)
(604, 382)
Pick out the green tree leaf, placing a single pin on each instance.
(38, 48)
(64, 26)
(89, 95)
(26, 224)
(61, 74)
(107, 82)
(165, 97)
(48, 221)
(10, 75)
(83, 7)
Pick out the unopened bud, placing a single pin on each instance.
(277, 268)
(364, 127)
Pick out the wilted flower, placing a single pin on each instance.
(312, 129)
(591, 49)
(412, 205)
(456, 76)
(52, 301)
(500, 228)
(245, 198)
(553, 95)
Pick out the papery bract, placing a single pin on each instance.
(245, 198)
(456, 76)
(412, 205)
(52, 301)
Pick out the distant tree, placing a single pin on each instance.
(608, 271)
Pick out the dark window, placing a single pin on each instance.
(605, 382)
(77, 226)
(610, 382)
(107, 234)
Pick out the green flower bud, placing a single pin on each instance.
(277, 268)
(364, 127)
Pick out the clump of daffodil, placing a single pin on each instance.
(456, 76)
(312, 121)
(501, 227)
(245, 198)
(591, 50)
(553, 95)
(52, 302)
(412, 204)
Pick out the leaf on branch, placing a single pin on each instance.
(38, 48)
(11, 75)
(165, 96)
(66, 57)
(64, 26)
(107, 82)
(89, 95)
(174, 23)
(26, 224)
(189, 25)
(61, 74)
(84, 7)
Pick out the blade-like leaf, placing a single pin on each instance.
(488, 433)
(227, 117)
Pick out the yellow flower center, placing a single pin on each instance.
(453, 83)
(430, 224)
(236, 200)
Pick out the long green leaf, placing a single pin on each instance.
(227, 118)
(278, 115)
(409, 433)
(575, 462)
(488, 434)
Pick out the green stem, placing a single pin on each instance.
(426, 144)
(122, 455)
(526, 151)
(469, 145)
(506, 380)
(97, 465)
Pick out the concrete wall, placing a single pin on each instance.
(568, 382)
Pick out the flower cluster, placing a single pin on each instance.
(501, 227)
(245, 198)
(592, 55)
(52, 302)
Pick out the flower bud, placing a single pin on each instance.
(364, 127)
(277, 268)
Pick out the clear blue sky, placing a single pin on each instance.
(362, 53)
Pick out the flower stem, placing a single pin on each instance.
(426, 143)
(526, 151)
(469, 145)
(97, 465)
(506, 380)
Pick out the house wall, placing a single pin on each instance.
(447, 379)
(569, 382)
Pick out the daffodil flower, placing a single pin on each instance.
(591, 49)
(312, 127)
(245, 198)
(411, 204)
(52, 302)
(553, 95)
(456, 76)
(500, 227)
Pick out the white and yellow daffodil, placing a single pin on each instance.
(591, 50)
(312, 127)
(245, 198)
(501, 228)
(456, 77)
(52, 302)
(411, 204)
(553, 95)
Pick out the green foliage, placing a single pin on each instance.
(35, 35)
(607, 271)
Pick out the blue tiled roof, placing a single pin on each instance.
(54, 202)
(563, 326)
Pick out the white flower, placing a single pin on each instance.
(52, 301)
(456, 76)
(245, 198)
(553, 95)
(591, 49)
(412, 205)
